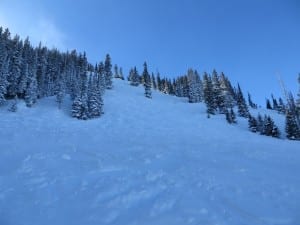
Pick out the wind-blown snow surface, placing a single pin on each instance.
(146, 161)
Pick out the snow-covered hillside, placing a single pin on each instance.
(145, 161)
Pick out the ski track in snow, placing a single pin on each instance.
(146, 161)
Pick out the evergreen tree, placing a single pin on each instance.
(233, 116)
(101, 78)
(60, 90)
(241, 103)
(268, 104)
(298, 100)
(194, 86)
(147, 83)
(31, 89)
(252, 124)
(116, 69)
(15, 67)
(219, 100)
(208, 94)
(95, 102)
(268, 126)
(250, 102)
(260, 124)
(275, 104)
(230, 116)
(134, 77)
(226, 91)
(80, 107)
(291, 127)
(281, 106)
(154, 85)
(121, 73)
(108, 73)
(3, 80)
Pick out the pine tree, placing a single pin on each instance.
(80, 107)
(121, 73)
(242, 106)
(281, 106)
(101, 78)
(154, 85)
(268, 126)
(107, 71)
(226, 91)
(233, 116)
(260, 124)
(116, 69)
(291, 127)
(250, 102)
(3, 80)
(208, 94)
(15, 67)
(298, 100)
(60, 90)
(268, 104)
(219, 100)
(275, 104)
(252, 124)
(147, 84)
(31, 89)
(134, 77)
(95, 102)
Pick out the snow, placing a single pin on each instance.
(145, 161)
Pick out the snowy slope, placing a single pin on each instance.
(158, 161)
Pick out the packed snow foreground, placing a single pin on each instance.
(145, 161)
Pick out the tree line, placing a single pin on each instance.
(31, 73)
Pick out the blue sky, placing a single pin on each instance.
(252, 42)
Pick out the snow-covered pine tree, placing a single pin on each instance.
(241, 103)
(95, 102)
(116, 70)
(60, 89)
(225, 90)
(250, 102)
(194, 86)
(208, 94)
(275, 103)
(252, 124)
(192, 94)
(230, 116)
(281, 106)
(101, 78)
(268, 126)
(121, 76)
(134, 77)
(219, 100)
(233, 116)
(298, 99)
(147, 80)
(108, 73)
(153, 81)
(14, 66)
(31, 89)
(291, 128)
(260, 124)
(3, 80)
(268, 104)
(41, 70)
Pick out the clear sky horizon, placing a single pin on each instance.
(252, 42)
